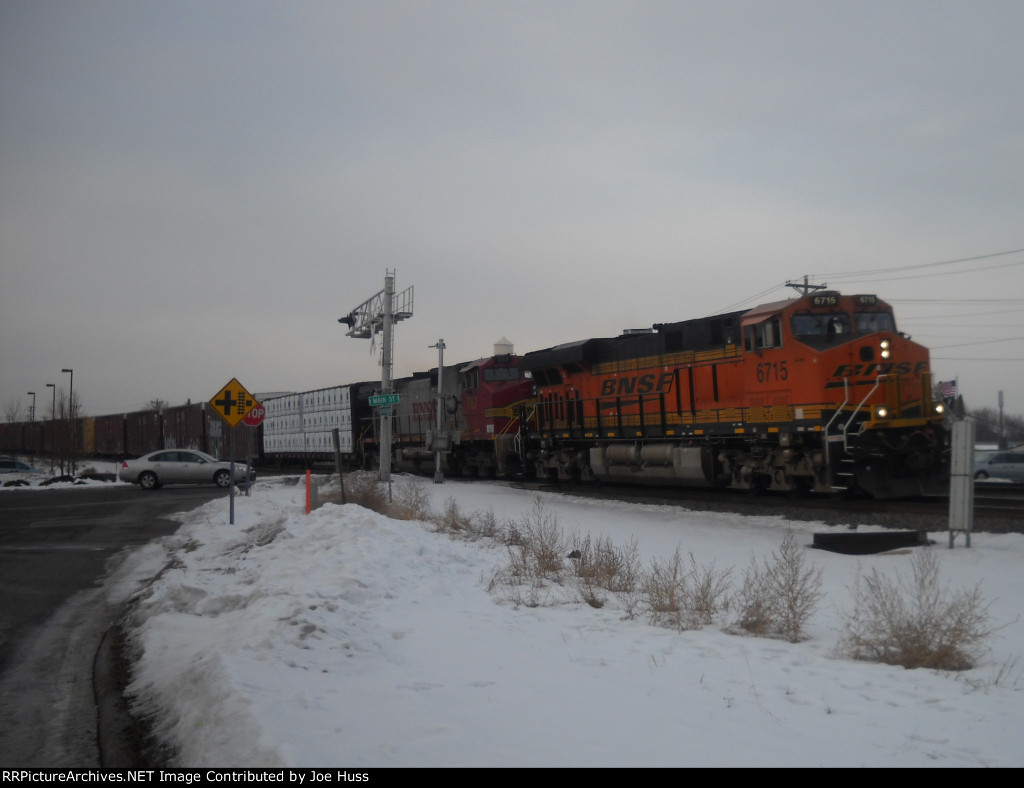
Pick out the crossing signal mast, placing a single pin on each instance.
(377, 315)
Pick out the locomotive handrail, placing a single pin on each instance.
(846, 400)
(878, 382)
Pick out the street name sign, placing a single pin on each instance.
(383, 399)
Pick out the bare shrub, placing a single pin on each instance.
(684, 594)
(706, 591)
(544, 541)
(600, 567)
(485, 525)
(778, 596)
(537, 552)
(600, 562)
(664, 592)
(411, 501)
(915, 622)
(363, 488)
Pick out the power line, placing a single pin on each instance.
(889, 269)
(972, 358)
(982, 342)
(955, 301)
(932, 275)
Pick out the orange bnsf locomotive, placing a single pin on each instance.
(818, 393)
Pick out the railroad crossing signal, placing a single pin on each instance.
(232, 402)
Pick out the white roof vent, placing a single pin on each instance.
(503, 347)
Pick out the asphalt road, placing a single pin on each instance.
(56, 549)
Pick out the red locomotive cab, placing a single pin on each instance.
(493, 392)
(496, 402)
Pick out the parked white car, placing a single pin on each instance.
(182, 466)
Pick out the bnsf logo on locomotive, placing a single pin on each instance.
(869, 370)
(638, 384)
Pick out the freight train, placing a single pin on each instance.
(819, 393)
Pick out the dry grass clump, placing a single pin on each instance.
(454, 522)
(778, 595)
(683, 594)
(363, 488)
(915, 622)
(541, 542)
(410, 500)
(600, 567)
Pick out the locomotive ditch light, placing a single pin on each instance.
(881, 412)
(940, 408)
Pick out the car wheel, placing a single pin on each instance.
(222, 478)
(981, 476)
(148, 481)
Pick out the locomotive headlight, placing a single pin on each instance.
(886, 352)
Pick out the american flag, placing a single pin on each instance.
(947, 388)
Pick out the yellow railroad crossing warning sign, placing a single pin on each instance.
(233, 402)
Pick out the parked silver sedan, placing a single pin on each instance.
(1008, 465)
(182, 466)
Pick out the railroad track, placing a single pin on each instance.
(998, 508)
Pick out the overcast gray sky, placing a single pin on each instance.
(195, 191)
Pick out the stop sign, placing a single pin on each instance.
(255, 416)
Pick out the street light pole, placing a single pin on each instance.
(438, 440)
(71, 417)
(53, 416)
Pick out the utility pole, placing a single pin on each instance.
(438, 442)
(377, 315)
(1002, 434)
(805, 287)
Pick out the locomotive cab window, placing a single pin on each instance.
(494, 374)
(828, 324)
(872, 322)
(763, 335)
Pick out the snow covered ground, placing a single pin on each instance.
(344, 638)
